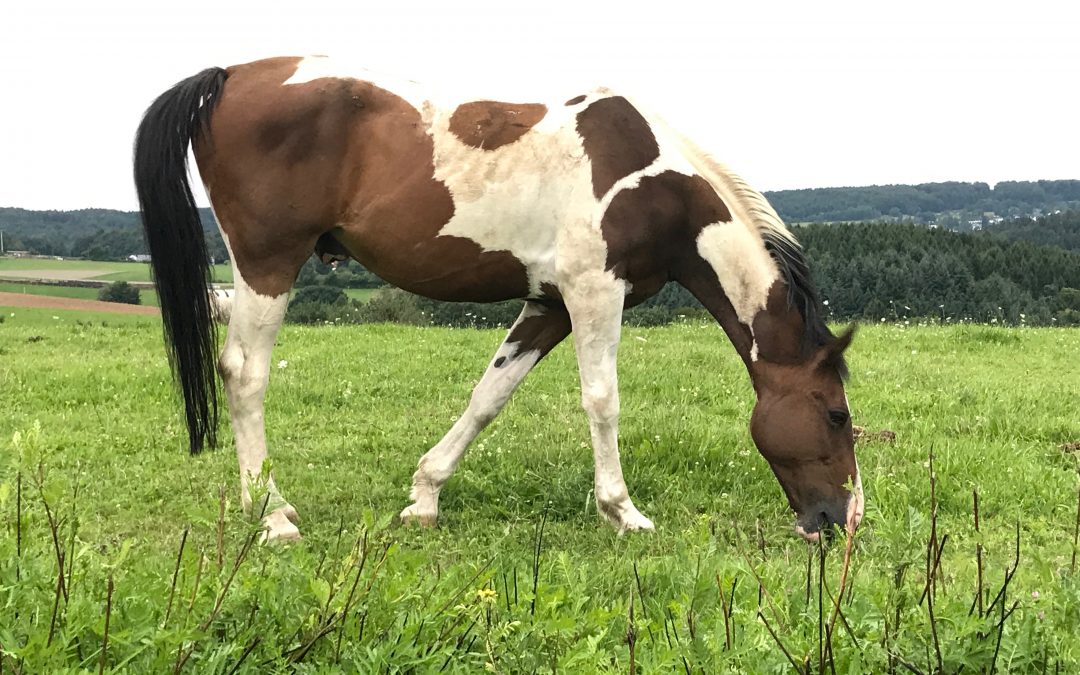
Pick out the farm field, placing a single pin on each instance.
(147, 297)
(46, 268)
(521, 575)
(361, 294)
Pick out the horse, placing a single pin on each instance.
(581, 208)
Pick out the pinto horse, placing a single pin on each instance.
(582, 208)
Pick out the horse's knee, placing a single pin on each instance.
(484, 407)
(601, 403)
(241, 376)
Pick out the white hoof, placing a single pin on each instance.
(279, 528)
(420, 514)
(625, 517)
(290, 513)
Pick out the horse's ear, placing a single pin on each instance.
(832, 354)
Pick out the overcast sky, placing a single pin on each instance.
(791, 95)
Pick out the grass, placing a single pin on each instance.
(147, 296)
(521, 576)
(111, 271)
(361, 294)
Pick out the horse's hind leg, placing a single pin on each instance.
(533, 335)
(245, 370)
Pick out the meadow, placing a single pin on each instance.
(120, 553)
(106, 271)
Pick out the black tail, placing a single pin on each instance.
(174, 235)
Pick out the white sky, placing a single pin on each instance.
(790, 94)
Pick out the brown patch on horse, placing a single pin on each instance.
(617, 139)
(490, 124)
(574, 101)
(540, 332)
(650, 229)
(289, 163)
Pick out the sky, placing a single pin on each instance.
(789, 94)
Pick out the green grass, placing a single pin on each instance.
(111, 271)
(361, 294)
(50, 290)
(90, 402)
(147, 297)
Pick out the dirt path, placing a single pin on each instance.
(50, 302)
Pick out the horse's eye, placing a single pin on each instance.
(838, 418)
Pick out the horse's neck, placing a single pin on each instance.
(778, 329)
(775, 332)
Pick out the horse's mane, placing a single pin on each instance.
(752, 208)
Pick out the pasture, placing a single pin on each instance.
(115, 552)
(96, 270)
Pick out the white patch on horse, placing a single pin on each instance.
(516, 197)
(857, 502)
(742, 264)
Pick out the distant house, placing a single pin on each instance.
(139, 257)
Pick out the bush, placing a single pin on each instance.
(647, 315)
(321, 295)
(393, 306)
(120, 291)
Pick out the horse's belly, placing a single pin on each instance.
(469, 262)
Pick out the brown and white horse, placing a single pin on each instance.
(583, 208)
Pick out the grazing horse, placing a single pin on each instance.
(582, 208)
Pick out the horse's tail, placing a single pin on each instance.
(174, 235)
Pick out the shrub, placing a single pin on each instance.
(322, 295)
(120, 291)
(393, 306)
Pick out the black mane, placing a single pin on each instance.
(802, 293)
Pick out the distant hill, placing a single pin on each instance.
(951, 205)
(97, 234)
(1006, 209)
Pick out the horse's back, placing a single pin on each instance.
(449, 197)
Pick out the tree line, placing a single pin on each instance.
(1021, 270)
(950, 204)
(94, 234)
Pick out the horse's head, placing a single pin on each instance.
(802, 426)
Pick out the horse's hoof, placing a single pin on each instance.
(414, 513)
(291, 514)
(278, 528)
(637, 522)
(625, 517)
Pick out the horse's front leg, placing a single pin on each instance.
(595, 304)
(536, 332)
